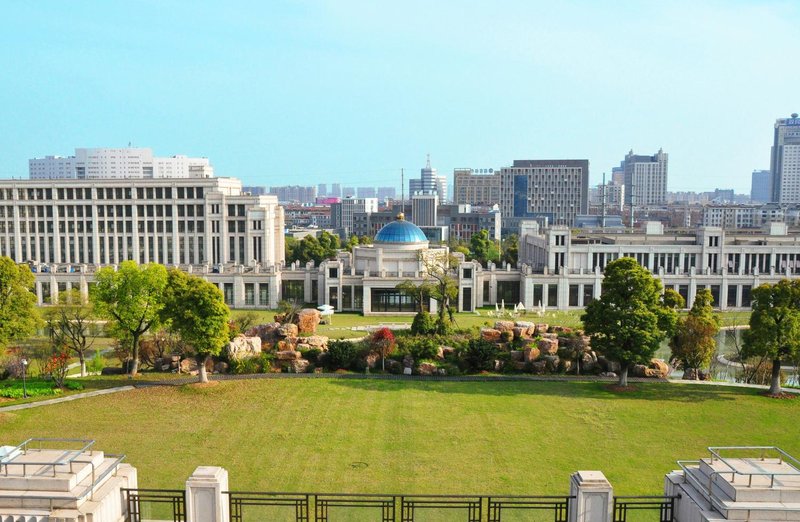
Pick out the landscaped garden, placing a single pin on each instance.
(343, 435)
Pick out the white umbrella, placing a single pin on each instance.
(327, 311)
(325, 307)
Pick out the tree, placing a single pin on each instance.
(439, 273)
(420, 293)
(18, 315)
(196, 309)
(482, 248)
(132, 296)
(511, 249)
(71, 323)
(382, 341)
(694, 341)
(774, 326)
(352, 242)
(629, 321)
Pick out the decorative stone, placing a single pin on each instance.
(394, 366)
(242, 346)
(551, 362)
(519, 332)
(408, 361)
(427, 368)
(658, 368)
(490, 334)
(517, 355)
(288, 330)
(520, 365)
(308, 320)
(188, 365)
(406, 371)
(221, 367)
(542, 328)
(531, 354)
(504, 326)
(317, 341)
(267, 332)
(548, 346)
(287, 355)
(285, 345)
(538, 367)
(448, 351)
(299, 366)
(638, 370)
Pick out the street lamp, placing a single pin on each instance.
(24, 386)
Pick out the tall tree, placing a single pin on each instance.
(439, 274)
(18, 315)
(694, 342)
(774, 326)
(196, 310)
(72, 325)
(420, 293)
(132, 296)
(511, 249)
(629, 321)
(482, 248)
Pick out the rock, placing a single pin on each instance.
(498, 365)
(308, 320)
(562, 329)
(637, 370)
(504, 326)
(165, 367)
(285, 345)
(551, 362)
(406, 371)
(221, 367)
(267, 332)
(394, 366)
(607, 365)
(371, 359)
(490, 334)
(564, 365)
(542, 329)
(408, 361)
(288, 330)
(549, 335)
(566, 352)
(609, 374)
(538, 367)
(531, 354)
(427, 368)
(242, 346)
(317, 341)
(299, 366)
(519, 332)
(527, 325)
(520, 366)
(287, 355)
(588, 363)
(517, 355)
(660, 368)
(548, 346)
(704, 375)
(209, 363)
(447, 351)
(442, 371)
(188, 365)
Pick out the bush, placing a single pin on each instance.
(96, 363)
(244, 366)
(479, 355)
(13, 389)
(420, 348)
(311, 354)
(423, 324)
(341, 355)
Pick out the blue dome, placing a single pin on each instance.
(400, 231)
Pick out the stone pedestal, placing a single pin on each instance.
(594, 497)
(204, 499)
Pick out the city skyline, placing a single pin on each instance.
(319, 93)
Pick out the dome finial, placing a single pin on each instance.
(400, 217)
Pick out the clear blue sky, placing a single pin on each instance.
(310, 92)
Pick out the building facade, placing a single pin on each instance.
(342, 212)
(429, 182)
(117, 163)
(646, 178)
(474, 188)
(785, 161)
(294, 194)
(761, 186)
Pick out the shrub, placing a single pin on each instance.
(341, 355)
(311, 354)
(479, 355)
(96, 363)
(247, 365)
(420, 348)
(423, 324)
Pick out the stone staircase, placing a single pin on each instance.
(51, 484)
(740, 488)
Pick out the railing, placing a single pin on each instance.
(782, 457)
(66, 459)
(389, 508)
(172, 500)
(664, 505)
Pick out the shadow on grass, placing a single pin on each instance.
(596, 390)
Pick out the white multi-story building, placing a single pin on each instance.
(785, 164)
(424, 209)
(342, 212)
(646, 179)
(103, 163)
(428, 182)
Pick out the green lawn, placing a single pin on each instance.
(415, 437)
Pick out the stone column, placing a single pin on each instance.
(204, 499)
(594, 497)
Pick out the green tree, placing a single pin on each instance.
(694, 341)
(420, 293)
(196, 310)
(71, 323)
(352, 242)
(774, 326)
(630, 319)
(18, 315)
(132, 296)
(482, 248)
(511, 249)
(330, 244)
(440, 270)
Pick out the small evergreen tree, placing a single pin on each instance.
(694, 342)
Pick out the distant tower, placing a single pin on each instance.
(429, 182)
(785, 162)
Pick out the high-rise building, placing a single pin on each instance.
(761, 186)
(476, 188)
(385, 193)
(365, 192)
(295, 194)
(551, 190)
(336, 190)
(429, 181)
(646, 179)
(342, 213)
(322, 189)
(105, 163)
(348, 192)
(424, 209)
(785, 164)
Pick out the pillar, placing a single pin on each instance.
(594, 497)
(205, 501)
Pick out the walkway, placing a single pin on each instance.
(47, 402)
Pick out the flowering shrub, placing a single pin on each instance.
(57, 366)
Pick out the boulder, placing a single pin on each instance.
(498, 365)
(517, 355)
(308, 320)
(188, 365)
(221, 367)
(637, 370)
(527, 325)
(519, 332)
(242, 346)
(531, 354)
(609, 374)
(490, 334)
(562, 329)
(267, 332)
(299, 366)
(548, 346)
(607, 365)
(287, 355)
(285, 345)
(427, 368)
(519, 366)
(504, 326)
(538, 367)
(394, 366)
(588, 363)
(551, 362)
(408, 361)
(542, 329)
(447, 351)
(564, 365)
(317, 341)
(659, 369)
(372, 359)
(549, 335)
(288, 330)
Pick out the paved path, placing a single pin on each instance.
(46, 402)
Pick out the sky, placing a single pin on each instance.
(295, 92)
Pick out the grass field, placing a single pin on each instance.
(414, 437)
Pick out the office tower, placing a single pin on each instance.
(761, 186)
(555, 190)
(429, 181)
(476, 188)
(365, 192)
(646, 179)
(295, 194)
(342, 213)
(785, 164)
(348, 192)
(618, 174)
(105, 163)
(424, 209)
(336, 190)
(385, 193)
(322, 189)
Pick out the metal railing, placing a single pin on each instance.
(664, 505)
(390, 508)
(66, 459)
(782, 457)
(174, 500)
